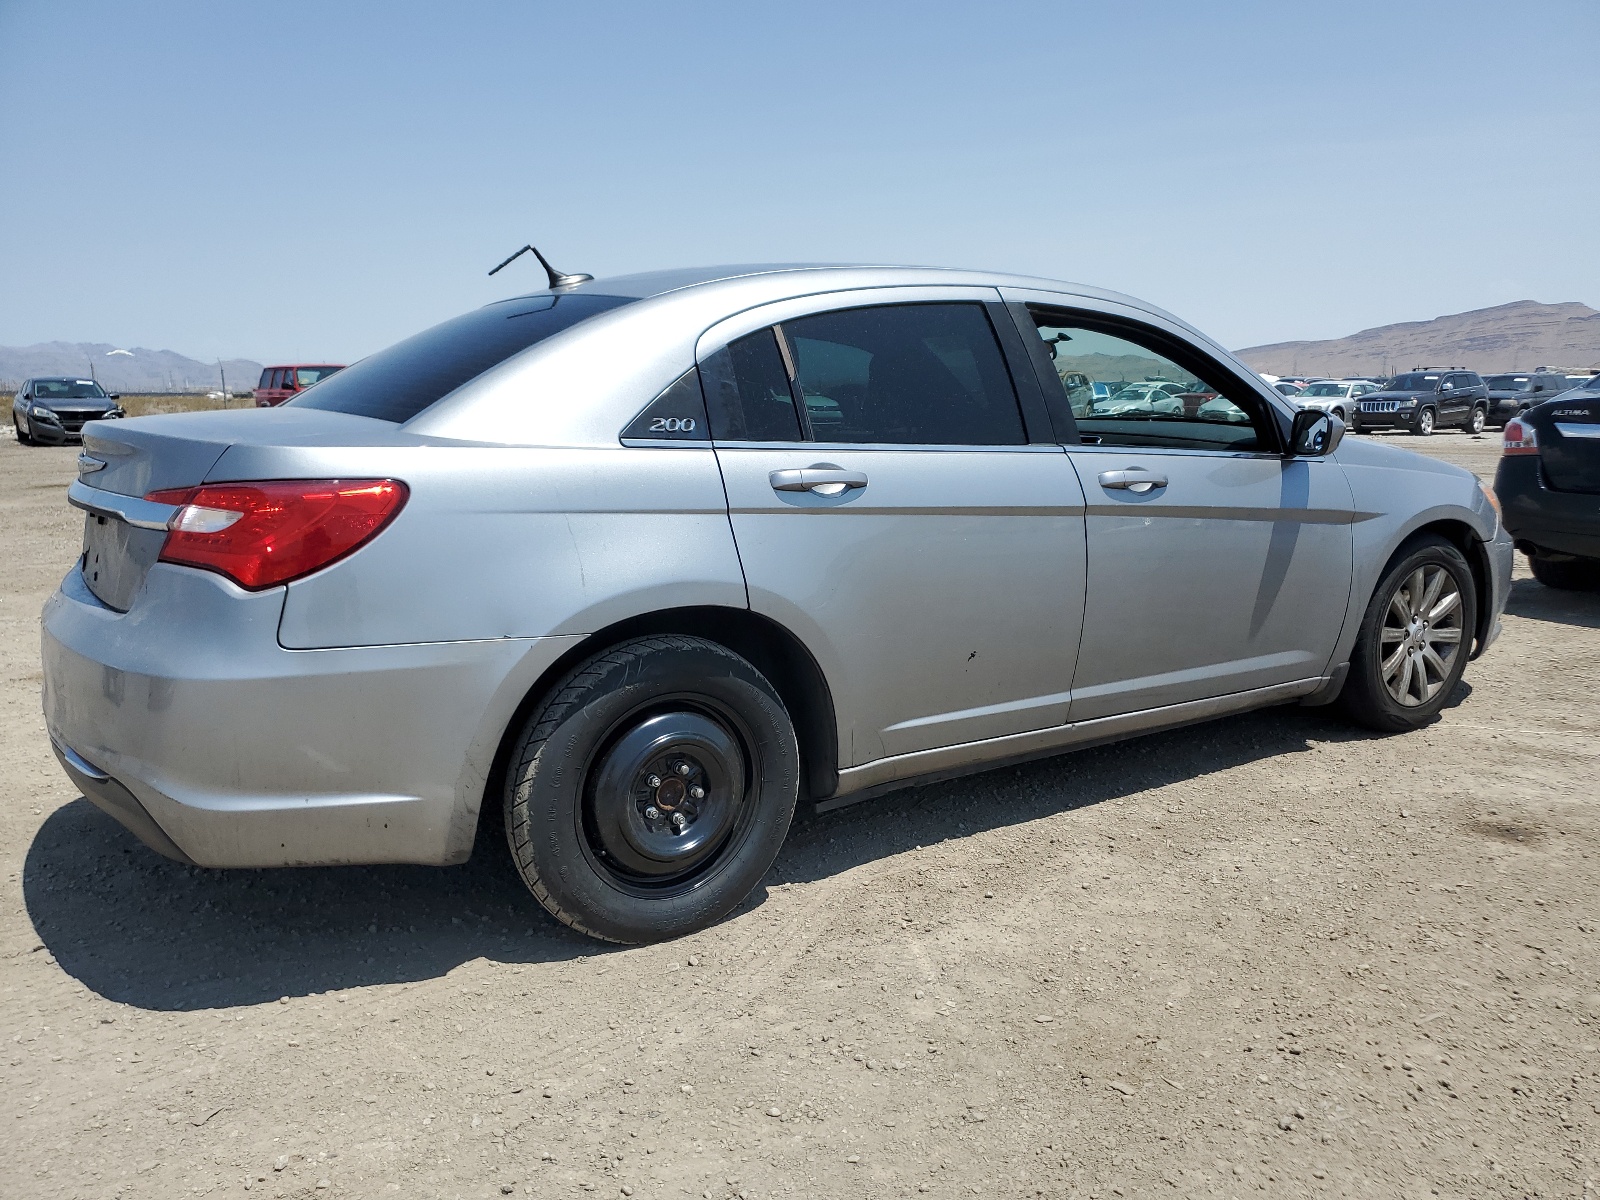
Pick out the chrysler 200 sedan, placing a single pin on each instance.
(641, 563)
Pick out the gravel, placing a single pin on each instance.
(1254, 885)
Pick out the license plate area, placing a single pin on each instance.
(116, 557)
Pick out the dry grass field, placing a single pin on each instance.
(1271, 956)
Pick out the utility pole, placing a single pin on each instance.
(224, 375)
(92, 375)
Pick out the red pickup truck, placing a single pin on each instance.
(279, 383)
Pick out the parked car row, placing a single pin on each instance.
(1429, 398)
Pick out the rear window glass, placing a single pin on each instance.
(916, 374)
(398, 383)
(747, 392)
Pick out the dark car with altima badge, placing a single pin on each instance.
(53, 410)
(1549, 487)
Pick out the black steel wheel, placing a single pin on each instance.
(1414, 640)
(652, 789)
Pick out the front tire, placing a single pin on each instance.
(1423, 425)
(23, 438)
(1477, 420)
(651, 791)
(1414, 639)
(1567, 575)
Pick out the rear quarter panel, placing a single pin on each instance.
(504, 541)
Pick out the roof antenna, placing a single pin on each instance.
(557, 279)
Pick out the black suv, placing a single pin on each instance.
(1520, 391)
(1426, 399)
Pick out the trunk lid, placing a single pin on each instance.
(125, 460)
(1569, 442)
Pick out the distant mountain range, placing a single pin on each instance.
(1507, 337)
(125, 369)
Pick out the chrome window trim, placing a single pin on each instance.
(1098, 448)
(824, 448)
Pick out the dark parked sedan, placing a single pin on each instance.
(53, 410)
(1519, 391)
(1549, 487)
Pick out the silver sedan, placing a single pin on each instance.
(636, 565)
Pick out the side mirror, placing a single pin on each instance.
(113, 395)
(1314, 433)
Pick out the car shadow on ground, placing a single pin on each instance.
(1531, 599)
(141, 930)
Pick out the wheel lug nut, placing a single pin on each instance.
(653, 780)
(684, 768)
(652, 813)
(678, 823)
(697, 792)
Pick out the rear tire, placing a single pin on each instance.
(1477, 420)
(1414, 640)
(1567, 575)
(651, 791)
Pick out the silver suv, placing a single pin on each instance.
(637, 564)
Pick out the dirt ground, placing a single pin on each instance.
(1271, 955)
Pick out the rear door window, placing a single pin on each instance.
(917, 374)
(747, 392)
(398, 383)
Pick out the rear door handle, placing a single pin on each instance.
(1134, 479)
(820, 479)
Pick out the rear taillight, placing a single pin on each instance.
(261, 534)
(1520, 438)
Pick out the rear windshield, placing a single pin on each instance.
(398, 383)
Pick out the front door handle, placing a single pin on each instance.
(1134, 479)
(820, 479)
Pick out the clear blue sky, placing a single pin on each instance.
(315, 180)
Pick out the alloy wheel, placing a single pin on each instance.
(1478, 421)
(1425, 422)
(1421, 636)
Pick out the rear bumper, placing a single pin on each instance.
(186, 721)
(1541, 518)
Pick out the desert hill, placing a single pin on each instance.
(132, 370)
(1507, 337)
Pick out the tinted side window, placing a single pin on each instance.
(747, 392)
(398, 383)
(266, 380)
(929, 374)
